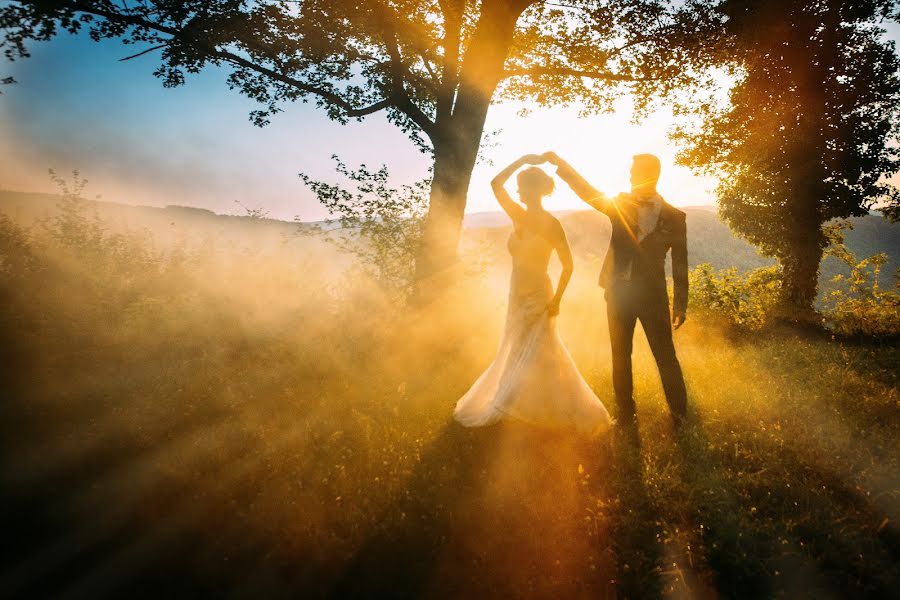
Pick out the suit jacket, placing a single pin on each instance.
(645, 258)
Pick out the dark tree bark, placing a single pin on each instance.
(458, 136)
(801, 270)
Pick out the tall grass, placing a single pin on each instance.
(224, 421)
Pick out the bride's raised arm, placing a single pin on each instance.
(579, 184)
(509, 206)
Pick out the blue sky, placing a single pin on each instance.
(77, 107)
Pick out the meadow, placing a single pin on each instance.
(212, 420)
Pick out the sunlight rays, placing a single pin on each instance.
(264, 425)
(604, 145)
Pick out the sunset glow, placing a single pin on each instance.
(600, 146)
(143, 144)
(400, 299)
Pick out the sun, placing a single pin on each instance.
(600, 147)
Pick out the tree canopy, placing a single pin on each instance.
(432, 66)
(410, 58)
(809, 132)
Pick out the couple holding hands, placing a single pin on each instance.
(533, 377)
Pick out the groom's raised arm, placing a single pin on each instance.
(579, 184)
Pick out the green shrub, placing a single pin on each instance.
(746, 301)
(751, 300)
(17, 258)
(379, 225)
(859, 306)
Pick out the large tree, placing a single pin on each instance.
(809, 132)
(433, 66)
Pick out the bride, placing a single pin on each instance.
(533, 378)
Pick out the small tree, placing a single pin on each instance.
(72, 226)
(810, 131)
(432, 66)
(859, 306)
(381, 226)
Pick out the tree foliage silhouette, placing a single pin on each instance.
(810, 129)
(432, 66)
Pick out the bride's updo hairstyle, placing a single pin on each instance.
(536, 181)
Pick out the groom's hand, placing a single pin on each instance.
(678, 318)
(533, 159)
(552, 158)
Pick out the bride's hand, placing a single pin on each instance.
(533, 159)
(553, 308)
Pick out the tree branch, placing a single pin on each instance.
(431, 72)
(642, 39)
(326, 95)
(561, 5)
(569, 72)
(453, 15)
(213, 52)
(399, 71)
(143, 52)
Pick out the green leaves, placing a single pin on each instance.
(745, 301)
(381, 226)
(408, 57)
(809, 130)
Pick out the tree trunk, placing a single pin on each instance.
(801, 280)
(458, 138)
(804, 250)
(805, 162)
(447, 202)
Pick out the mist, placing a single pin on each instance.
(239, 407)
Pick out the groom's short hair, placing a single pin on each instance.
(646, 167)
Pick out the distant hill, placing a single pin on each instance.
(709, 239)
(167, 225)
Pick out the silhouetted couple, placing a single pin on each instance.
(533, 378)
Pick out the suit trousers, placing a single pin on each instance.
(627, 303)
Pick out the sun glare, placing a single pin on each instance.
(600, 147)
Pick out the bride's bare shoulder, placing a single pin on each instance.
(554, 227)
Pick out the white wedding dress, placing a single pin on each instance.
(533, 377)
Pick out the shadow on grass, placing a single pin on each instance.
(87, 528)
(400, 556)
(803, 533)
(634, 529)
(737, 555)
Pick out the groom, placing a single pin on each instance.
(644, 228)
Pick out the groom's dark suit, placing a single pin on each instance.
(634, 278)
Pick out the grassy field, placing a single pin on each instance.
(227, 423)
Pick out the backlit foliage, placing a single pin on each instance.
(809, 131)
(744, 300)
(859, 306)
(379, 225)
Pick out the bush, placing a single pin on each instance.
(379, 225)
(17, 259)
(745, 301)
(751, 300)
(859, 306)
